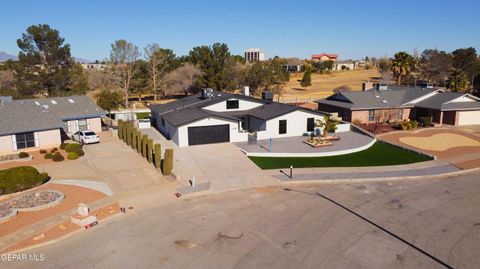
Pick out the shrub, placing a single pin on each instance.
(134, 138)
(139, 142)
(129, 133)
(53, 150)
(157, 155)
(120, 129)
(43, 151)
(72, 155)
(426, 121)
(150, 150)
(23, 155)
(414, 124)
(73, 147)
(63, 145)
(48, 155)
(167, 164)
(57, 157)
(144, 145)
(20, 178)
(143, 115)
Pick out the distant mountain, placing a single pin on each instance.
(81, 60)
(5, 57)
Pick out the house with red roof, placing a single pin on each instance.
(325, 57)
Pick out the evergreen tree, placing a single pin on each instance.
(307, 79)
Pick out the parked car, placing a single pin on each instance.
(86, 137)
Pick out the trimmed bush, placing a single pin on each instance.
(23, 155)
(53, 150)
(57, 157)
(21, 178)
(134, 138)
(124, 129)
(73, 147)
(167, 165)
(43, 151)
(139, 141)
(157, 154)
(426, 121)
(144, 145)
(72, 155)
(120, 129)
(408, 125)
(150, 150)
(48, 155)
(129, 134)
(414, 124)
(63, 145)
(143, 115)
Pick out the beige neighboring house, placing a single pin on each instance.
(31, 124)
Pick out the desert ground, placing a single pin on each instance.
(323, 84)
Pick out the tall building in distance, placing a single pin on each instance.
(253, 55)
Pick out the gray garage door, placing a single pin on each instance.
(208, 134)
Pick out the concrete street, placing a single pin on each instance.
(274, 228)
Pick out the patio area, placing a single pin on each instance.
(293, 146)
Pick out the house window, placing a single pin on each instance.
(310, 124)
(82, 125)
(25, 140)
(232, 104)
(66, 127)
(371, 115)
(282, 127)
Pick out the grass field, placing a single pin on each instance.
(322, 85)
(379, 154)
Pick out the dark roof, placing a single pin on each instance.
(442, 101)
(191, 108)
(44, 114)
(393, 97)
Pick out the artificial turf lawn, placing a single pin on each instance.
(377, 155)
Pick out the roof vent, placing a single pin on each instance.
(71, 101)
(45, 107)
(53, 102)
(37, 103)
(207, 93)
(384, 101)
(376, 96)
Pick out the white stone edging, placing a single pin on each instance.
(314, 154)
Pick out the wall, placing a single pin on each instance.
(256, 124)
(296, 125)
(344, 127)
(49, 139)
(235, 134)
(242, 105)
(6, 144)
(360, 115)
(344, 113)
(382, 115)
(95, 124)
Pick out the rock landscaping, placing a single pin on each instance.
(29, 202)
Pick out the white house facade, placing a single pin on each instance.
(218, 117)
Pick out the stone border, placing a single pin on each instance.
(40, 207)
(13, 213)
(29, 158)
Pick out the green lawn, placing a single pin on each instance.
(377, 155)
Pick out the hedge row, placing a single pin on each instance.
(144, 146)
(20, 178)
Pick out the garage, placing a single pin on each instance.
(208, 134)
(469, 117)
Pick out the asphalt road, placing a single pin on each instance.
(397, 225)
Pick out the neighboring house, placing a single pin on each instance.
(325, 57)
(395, 103)
(293, 65)
(254, 55)
(41, 123)
(215, 117)
(94, 66)
(345, 65)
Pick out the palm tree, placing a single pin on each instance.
(402, 65)
(457, 81)
(326, 124)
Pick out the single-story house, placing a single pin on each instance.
(395, 103)
(41, 123)
(325, 57)
(344, 65)
(215, 117)
(293, 65)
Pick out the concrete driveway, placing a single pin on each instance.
(274, 228)
(223, 165)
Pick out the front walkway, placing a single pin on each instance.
(348, 140)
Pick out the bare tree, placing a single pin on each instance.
(123, 57)
(101, 80)
(182, 79)
(7, 79)
(158, 62)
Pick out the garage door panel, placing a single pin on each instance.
(208, 134)
(468, 117)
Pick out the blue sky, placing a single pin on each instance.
(351, 28)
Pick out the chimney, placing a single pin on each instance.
(267, 96)
(246, 91)
(367, 85)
